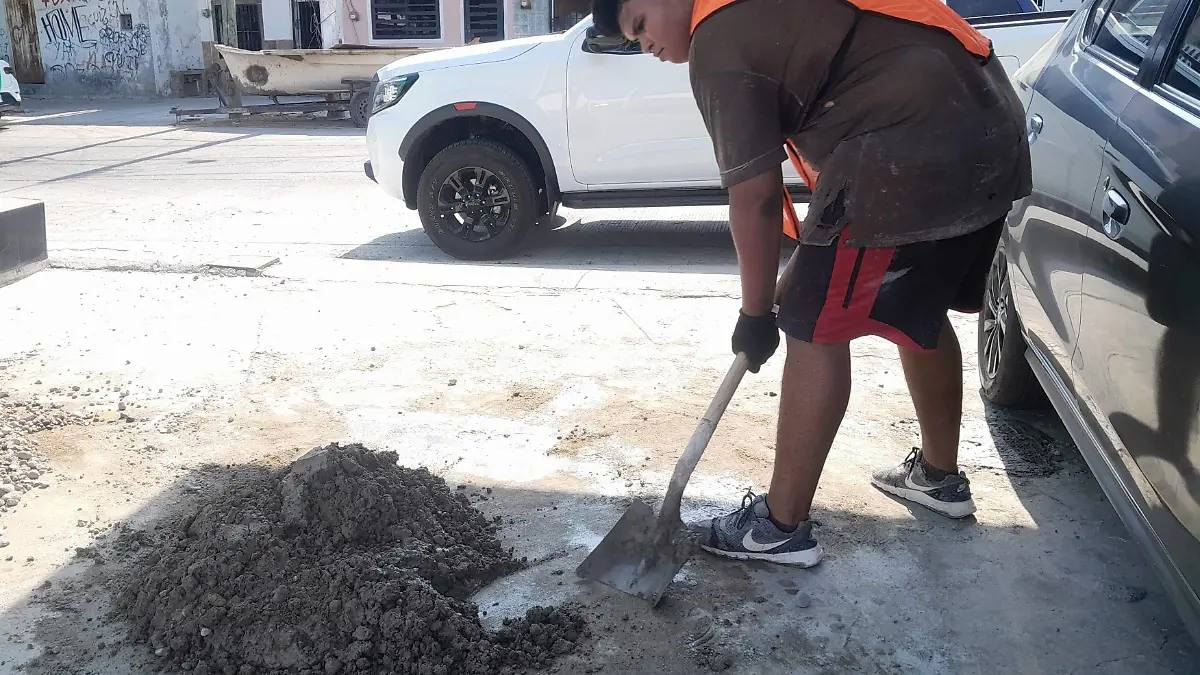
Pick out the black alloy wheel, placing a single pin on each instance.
(474, 204)
(994, 321)
(1006, 377)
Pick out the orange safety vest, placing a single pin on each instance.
(929, 12)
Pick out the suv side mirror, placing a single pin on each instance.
(594, 43)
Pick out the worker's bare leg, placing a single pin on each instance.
(930, 476)
(815, 392)
(935, 382)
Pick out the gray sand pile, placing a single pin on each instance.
(342, 563)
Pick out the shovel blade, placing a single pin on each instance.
(640, 555)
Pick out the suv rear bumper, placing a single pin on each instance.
(9, 101)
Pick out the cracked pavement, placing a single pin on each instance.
(566, 380)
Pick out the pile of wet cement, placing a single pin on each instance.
(344, 562)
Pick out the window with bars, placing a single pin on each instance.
(249, 27)
(306, 24)
(406, 20)
(218, 24)
(485, 20)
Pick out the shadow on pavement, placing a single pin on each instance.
(693, 246)
(1048, 473)
(115, 112)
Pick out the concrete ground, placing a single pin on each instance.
(567, 380)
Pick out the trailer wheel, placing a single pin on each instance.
(477, 200)
(360, 106)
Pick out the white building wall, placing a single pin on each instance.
(206, 22)
(5, 44)
(85, 49)
(528, 22)
(175, 39)
(277, 19)
(331, 23)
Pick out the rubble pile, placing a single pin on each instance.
(343, 562)
(22, 467)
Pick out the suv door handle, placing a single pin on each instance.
(1035, 127)
(1116, 214)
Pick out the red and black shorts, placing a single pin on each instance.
(837, 293)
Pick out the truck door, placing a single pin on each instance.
(631, 119)
(1074, 107)
(1139, 341)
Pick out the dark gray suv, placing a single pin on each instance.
(1094, 297)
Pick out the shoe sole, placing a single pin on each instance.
(949, 509)
(806, 558)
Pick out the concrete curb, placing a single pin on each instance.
(22, 239)
(18, 273)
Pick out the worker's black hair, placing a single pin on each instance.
(604, 16)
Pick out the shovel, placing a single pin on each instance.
(642, 553)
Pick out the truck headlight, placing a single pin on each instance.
(391, 90)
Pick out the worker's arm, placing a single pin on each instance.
(755, 208)
(742, 112)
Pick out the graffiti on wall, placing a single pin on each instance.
(5, 42)
(86, 39)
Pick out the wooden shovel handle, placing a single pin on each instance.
(700, 437)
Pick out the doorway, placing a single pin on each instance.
(484, 20)
(23, 32)
(218, 24)
(249, 27)
(306, 24)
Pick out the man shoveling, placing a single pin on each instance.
(920, 143)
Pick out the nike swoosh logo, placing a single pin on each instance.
(749, 544)
(908, 483)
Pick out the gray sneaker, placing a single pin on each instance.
(749, 534)
(950, 496)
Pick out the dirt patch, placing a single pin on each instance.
(343, 562)
(1025, 449)
(576, 439)
(23, 467)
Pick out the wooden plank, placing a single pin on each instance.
(23, 32)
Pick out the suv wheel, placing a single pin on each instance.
(477, 200)
(1006, 377)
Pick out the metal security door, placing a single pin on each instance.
(485, 20)
(249, 27)
(22, 30)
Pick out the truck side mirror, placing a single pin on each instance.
(594, 43)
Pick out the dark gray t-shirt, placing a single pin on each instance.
(915, 138)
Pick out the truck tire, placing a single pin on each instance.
(1005, 376)
(360, 106)
(477, 200)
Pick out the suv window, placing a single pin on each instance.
(1098, 13)
(1185, 72)
(1125, 29)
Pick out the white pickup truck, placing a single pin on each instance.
(485, 141)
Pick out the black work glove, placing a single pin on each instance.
(757, 337)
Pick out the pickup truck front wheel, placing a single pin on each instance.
(477, 200)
